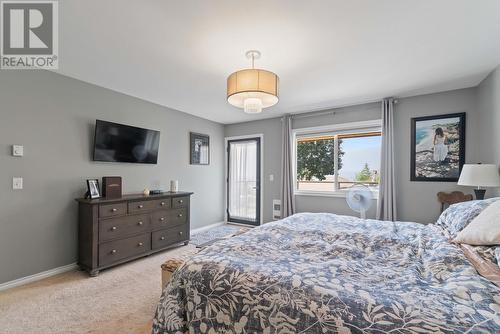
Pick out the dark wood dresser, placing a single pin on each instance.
(114, 231)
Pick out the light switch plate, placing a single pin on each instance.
(17, 150)
(17, 183)
(271, 177)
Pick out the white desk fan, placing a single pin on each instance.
(359, 198)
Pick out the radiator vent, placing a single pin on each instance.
(276, 209)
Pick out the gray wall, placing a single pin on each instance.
(489, 119)
(417, 200)
(271, 129)
(409, 193)
(336, 205)
(271, 151)
(53, 117)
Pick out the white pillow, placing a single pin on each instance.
(484, 229)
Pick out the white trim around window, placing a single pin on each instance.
(338, 193)
(363, 126)
(333, 129)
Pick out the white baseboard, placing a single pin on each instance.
(204, 228)
(37, 277)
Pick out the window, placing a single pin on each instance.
(330, 160)
(316, 163)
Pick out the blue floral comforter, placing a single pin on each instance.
(323, 273)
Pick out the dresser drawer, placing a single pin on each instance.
(169, 236)
(178, 216)
(110, 210)
(168, 218)
(113, 251)
(140, 206)
(162, 203)
(180, 202)
(161, 219)
(120, 227)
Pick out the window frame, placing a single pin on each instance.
(331, 130)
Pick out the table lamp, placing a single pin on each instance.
(479, 175)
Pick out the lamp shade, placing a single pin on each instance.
(479, 175)
(259, 87)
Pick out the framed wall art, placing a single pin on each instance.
(437, 147)
(199, 149)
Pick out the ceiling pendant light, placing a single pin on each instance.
(252, 89)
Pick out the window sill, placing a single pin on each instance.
(339, 194)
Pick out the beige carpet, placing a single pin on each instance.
(119, 300)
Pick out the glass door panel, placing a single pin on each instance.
(243, 183)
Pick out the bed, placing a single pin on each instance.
(324, 273)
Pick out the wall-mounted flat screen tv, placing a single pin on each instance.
(115, 142)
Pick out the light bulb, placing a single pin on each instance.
(252, 105)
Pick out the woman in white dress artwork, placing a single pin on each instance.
(440, 147)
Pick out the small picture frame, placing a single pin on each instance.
(93, 190)
(199, 149)
(437, 147)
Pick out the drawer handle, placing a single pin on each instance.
(114, 209)
(180, 233)
(140, 244)
(162, 219)
(180, 201)
(113, 228)
(113, 251)
(140, 206)
(163, 203)
(139, 223)
(179, 215)
(162, 238)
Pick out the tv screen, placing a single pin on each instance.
(122, 143)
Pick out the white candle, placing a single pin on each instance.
(174, 186)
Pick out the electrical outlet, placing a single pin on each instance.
(17, 183)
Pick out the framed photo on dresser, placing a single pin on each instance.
(437, 147)
(93, 190)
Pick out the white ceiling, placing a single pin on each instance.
(327, 53)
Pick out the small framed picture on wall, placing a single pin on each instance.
(437, 147)
(199, 149)
(93, 190)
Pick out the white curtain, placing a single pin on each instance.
(386, 206)
(287, 197)
(243, 180)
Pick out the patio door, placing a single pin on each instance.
(243, 181)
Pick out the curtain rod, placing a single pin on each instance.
(332, 111)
